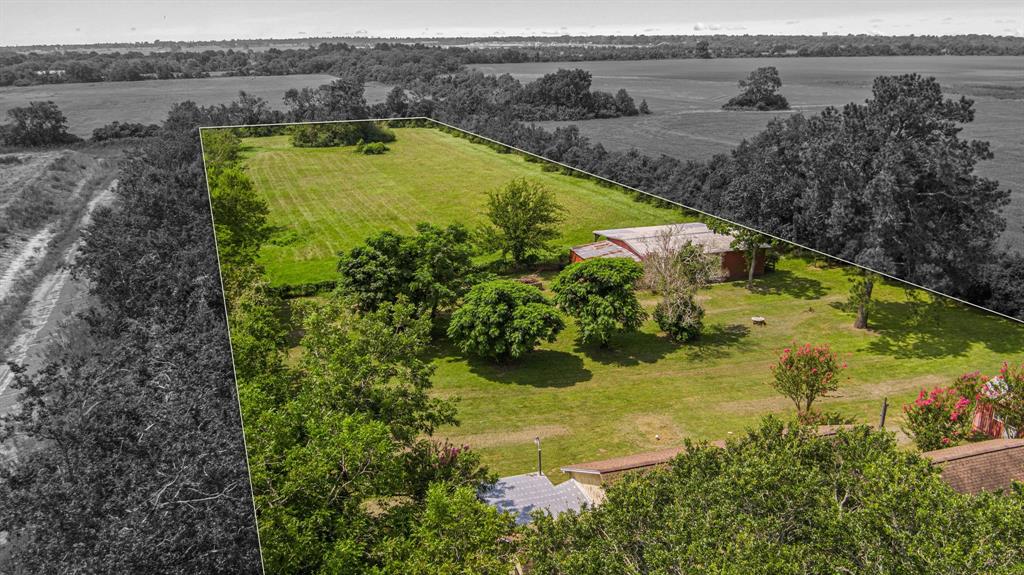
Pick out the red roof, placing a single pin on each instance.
(630, 462)
(991, 465)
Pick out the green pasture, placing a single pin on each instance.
(646, 392)
(330, 199)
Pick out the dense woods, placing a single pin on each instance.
(135, 461)
(390, 62)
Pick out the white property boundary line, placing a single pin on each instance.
(227, 321)
(234, 369)
(604, 179)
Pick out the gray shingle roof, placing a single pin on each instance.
(522, 494)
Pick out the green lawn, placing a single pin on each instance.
(333, 198)
(586, 403)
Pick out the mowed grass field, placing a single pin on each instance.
(686, 97)
(586, 403)
(333, 198)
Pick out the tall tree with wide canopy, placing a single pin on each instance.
(600, 294)
(504, 319)
(888, 184)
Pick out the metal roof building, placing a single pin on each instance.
(522, 494)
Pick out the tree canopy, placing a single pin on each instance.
(504, 319)
(432, 268)
(524, 217)
(783, 500)
(600, 294)
(887, 184)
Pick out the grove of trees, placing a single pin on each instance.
(134, 458)
(759, 92)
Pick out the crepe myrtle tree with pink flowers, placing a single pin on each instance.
(938, 418)
(805, 373)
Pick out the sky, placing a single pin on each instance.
(24, 22)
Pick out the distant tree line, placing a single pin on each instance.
(391, 62)
(911, 206)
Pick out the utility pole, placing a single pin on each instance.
(885, 407)
(540, 468)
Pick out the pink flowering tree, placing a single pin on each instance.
(805, 373)
(938, 418)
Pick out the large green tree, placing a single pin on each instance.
(38, 124)
(454, 533)
(888, 184)
(504, 319)
(600, 294)
(524, 217)
(783, 500)
(432, 268)
(339, 441)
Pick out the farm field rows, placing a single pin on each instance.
(584, 402)
(688, 123)
(90, 106)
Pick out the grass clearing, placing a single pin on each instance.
(333, 198)
(588, 403)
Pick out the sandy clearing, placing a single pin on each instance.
(50, 300)
(26, 254)
(480, 440)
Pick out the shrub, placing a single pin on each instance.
(373, 148)
(504, 319)
(339, 134)
(938, 418)
(117, 130)
(681, 317)
(805, 373)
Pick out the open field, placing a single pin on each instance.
(688, 123)
(586, 403)
(90, 106)
(333, 198)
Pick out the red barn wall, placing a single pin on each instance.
(735, 264)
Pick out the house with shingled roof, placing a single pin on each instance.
(991, 465)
